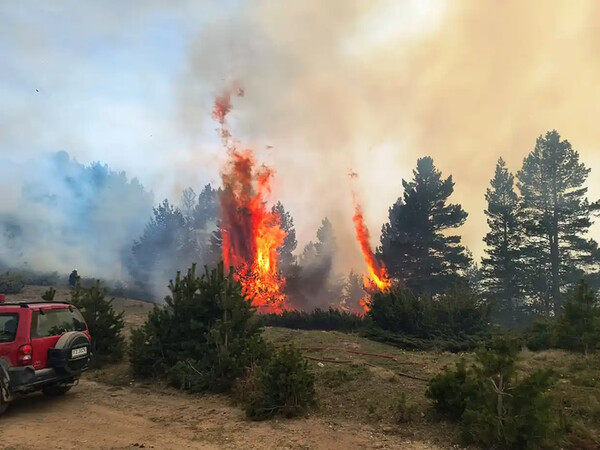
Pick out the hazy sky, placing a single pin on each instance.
(331, 86)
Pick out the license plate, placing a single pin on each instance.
(79, 352)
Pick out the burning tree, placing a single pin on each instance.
(251, 233)
(377, 278)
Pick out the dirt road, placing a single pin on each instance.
(98, 416)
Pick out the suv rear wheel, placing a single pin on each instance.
(64, 355)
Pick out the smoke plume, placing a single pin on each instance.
(372, 85)
(369, 85)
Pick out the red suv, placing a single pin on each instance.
(43, 346)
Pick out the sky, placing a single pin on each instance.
(332, 86)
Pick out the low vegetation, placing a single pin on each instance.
(283, 385)
(105, 325)
(205, 336)
(496, 407)
(577, 329)
(11, 283)
(49, 294)
(318, 319)
(208, 338)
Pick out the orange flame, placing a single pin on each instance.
(377, 278)
(251, 233)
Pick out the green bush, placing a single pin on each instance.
(205, 337)
(458, 314)
(104, 324)
(521, 416)
(541, 335)
(49, 294)
(496, 408)
(451, 389)
(285, 385)
(402, 410)
(11, 283)
(578, 328)
(318, 319)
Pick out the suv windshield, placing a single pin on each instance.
(54, 322)
(8, 327)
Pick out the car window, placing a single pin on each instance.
(54, 322)
(8, 327)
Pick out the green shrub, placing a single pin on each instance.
(456, 314)
(541, 335)
(526, 420)
(11, 283)
(144, 352)
(451, 389)
(205, 337)
(318, 319)
(49, 294)
(402, 410)
(578, 328)
(285, 385)
(104, 324)
(130, 290)
(496, 408)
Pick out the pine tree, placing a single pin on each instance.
(415, 245)
(104, 324)
(502, 267)
(204, 223)
(557, 217)
(205, 336)
(308, 255)
(353, 292)
(166, 245)
(206, 210)
(286, 256)
(579, 327)
(326, 245)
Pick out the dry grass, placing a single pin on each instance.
(364, 389)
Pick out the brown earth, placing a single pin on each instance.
(97, 416)
(356, 389)
(108, 411)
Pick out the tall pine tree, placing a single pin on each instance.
(206, 210)
(502, 267)
(167, 245)
(557, 218)
(286, 256)
(415, 245)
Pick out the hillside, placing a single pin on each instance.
(358, 384)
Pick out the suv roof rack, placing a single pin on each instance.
(36, 302)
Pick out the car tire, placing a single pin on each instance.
(56, 391)
(3, 404)
(3, 389)
(63, 348)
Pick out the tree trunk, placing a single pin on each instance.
(555, 259)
